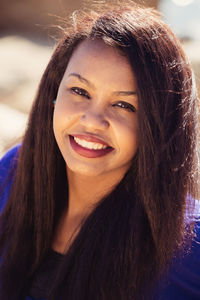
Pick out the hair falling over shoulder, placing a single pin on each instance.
(132, 235)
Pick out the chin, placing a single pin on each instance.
(82, 170)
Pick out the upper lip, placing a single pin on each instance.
(91, 138)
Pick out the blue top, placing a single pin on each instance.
(184, 277)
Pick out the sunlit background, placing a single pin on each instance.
(26, 45)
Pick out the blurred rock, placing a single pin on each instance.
(34, 16)
(12, 126)
(22, 64)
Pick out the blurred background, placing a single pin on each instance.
(26, 44)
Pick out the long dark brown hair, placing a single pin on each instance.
(131, 236)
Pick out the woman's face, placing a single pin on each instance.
(95, 117)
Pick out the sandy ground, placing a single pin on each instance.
(22, 63)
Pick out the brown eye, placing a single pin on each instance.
(81, 92)
(125, 105)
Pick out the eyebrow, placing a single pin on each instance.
(125, 93)
(117, 93)
(82, 79)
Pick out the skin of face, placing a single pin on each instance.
(97, 99)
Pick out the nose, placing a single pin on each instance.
(94, 119)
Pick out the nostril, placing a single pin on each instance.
(94, 120)
(106, 123)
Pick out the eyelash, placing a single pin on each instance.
(122, 104)
(125, 105)
(80, 92)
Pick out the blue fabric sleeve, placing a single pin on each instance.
(183, 281)
(8, 164)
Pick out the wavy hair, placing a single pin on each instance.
(129, 239)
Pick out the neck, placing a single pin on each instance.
(85, 191)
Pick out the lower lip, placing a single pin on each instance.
(90, 153)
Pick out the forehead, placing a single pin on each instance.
(95, 59)
(96, 47)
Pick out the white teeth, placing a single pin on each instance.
(89, 145)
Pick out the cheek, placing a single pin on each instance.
(57, 117)
(65, 115)
(60, 121)
(127, 136)
(56, 127)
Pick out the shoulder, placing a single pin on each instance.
(183, 280)
(192, 210)
(8, 164)
(7, 159)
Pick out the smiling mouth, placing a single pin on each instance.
(88, 148)
(89, 145)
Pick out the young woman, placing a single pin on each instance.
(98, 200)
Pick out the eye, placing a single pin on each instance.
(125, 105)
(80, 92)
